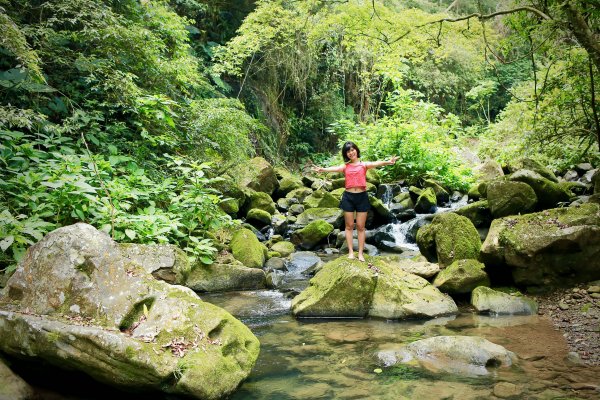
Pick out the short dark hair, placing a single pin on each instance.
(346, 147)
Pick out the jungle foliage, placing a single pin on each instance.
(121, 113)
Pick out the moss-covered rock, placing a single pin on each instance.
(462, 276)
(382, 213)
(555, 247)
(230, 206)
(299, 194)
(478, 213)
(284, 248)
(549, 194)
(164, 261)
(441, 194)
(256, 174)
(426, 202)
(334, 216)
(349, 288)
(219, 277)
(338, 193)
(247, 249)
(473, 192)
(258, 217)
(320, 199)
(510, 198)
(261, 201)
(453, 236)
(90, 309)
(487, 300)
(532, 165)
(289, 183)
(312, 234)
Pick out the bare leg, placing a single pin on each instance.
(361, 219)
(349, 220)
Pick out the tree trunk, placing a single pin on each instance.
(583, 33)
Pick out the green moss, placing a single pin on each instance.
(53, 337)
(247, 249)
(312, 234)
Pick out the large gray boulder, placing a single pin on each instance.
(465, 355)
(164, 261)
(256, 174)
(77, 303)
(349, 288)
(225, 274)
(556, 247)
(496, 302)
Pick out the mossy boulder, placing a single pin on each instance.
(258, 217)
(92, 310)
(256, 174)
(220, 277)
(338, 193)
(532, 165)
(312, 234)
(473, 192)
(164, 261)
(555, 247)
(247, 249)
(426, 202)
(382, 213)
(320, 199)
(441, 194)
(449, 237)
(261, 201)
(462, 276)
(299, 194)
(333, 216)
(289, 183)
(284, 248)
(510, 198)
(229, 188)
(417, 265)
(478, 212)
(230, 206)
(501, 302)
(350, 288)
(549, 193)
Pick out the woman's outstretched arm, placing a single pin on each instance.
(376, 164)
(339, 168)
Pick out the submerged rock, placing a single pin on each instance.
(465, 355)
(350, 288)
(77, 303)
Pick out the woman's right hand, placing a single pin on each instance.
(318, 169)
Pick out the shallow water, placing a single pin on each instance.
(324, 359)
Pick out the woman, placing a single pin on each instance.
(355, 197)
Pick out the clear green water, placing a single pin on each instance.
(336, 359)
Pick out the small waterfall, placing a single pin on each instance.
(387, 195)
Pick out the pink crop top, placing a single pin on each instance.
(356, 175)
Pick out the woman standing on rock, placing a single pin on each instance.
(355, 197)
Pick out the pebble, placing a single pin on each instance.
(595, 295)
(563, 306)
(594, 289)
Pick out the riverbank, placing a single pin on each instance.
(576, 313)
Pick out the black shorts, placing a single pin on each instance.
(358, 202)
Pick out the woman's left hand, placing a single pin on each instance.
(393, 160)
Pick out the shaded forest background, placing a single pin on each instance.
(124, 114)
